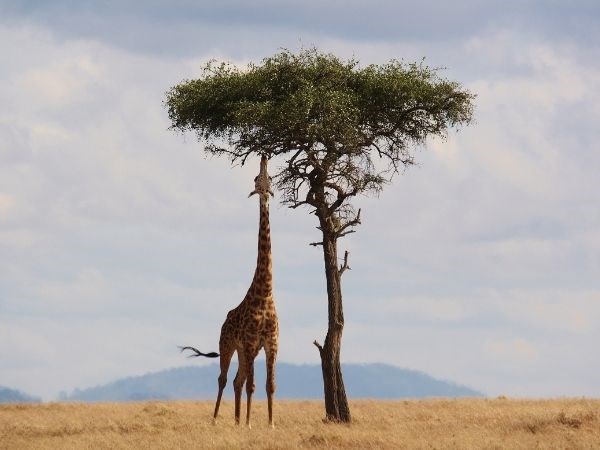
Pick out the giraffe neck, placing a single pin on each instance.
(263, 277)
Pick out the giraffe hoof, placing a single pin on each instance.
(214, 421)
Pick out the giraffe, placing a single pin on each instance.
(253, 324)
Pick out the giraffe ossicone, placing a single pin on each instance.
(253, 324)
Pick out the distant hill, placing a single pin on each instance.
(8, 395)
(293, 382)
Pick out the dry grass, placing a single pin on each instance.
(471, 423)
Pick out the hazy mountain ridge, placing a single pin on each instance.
(293, 382)
(8, 395)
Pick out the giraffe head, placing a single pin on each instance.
(262, 182)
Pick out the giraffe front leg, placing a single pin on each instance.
(271, 351)
(249, 387)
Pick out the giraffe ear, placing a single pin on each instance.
(252, 193)
(271, 192)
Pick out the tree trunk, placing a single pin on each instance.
(336, 403)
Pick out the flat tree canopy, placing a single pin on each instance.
(342, 130)
(313, 102)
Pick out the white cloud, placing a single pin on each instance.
(512, 351)
(6, 204)
(60, 84)
(523, 343)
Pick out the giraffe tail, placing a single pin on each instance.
(199, 353)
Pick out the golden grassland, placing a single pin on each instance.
(441, 423)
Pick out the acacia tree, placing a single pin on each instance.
(341, 130)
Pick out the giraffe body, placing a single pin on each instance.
(253, 324)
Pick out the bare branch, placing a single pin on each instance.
(335, 187)
(319, 346)
(350, 223)
(291, 161)
(342, 195)
(297, 204)
(245, 157)
(345, 266)
(314, 244)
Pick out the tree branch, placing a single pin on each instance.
(345, 233)
(300, 203)
(319, 346)
(350, 223)
(345, 266)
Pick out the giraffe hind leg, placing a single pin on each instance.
(225, 360)
(238, 384)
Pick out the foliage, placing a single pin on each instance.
(324, 113)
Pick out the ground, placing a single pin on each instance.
(442, 423)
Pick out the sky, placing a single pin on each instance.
(120, 239)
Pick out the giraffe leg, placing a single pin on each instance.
(271, 351)
(249, 386)
(225, 360)
(238, 384)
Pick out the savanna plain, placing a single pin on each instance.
(440, 423)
